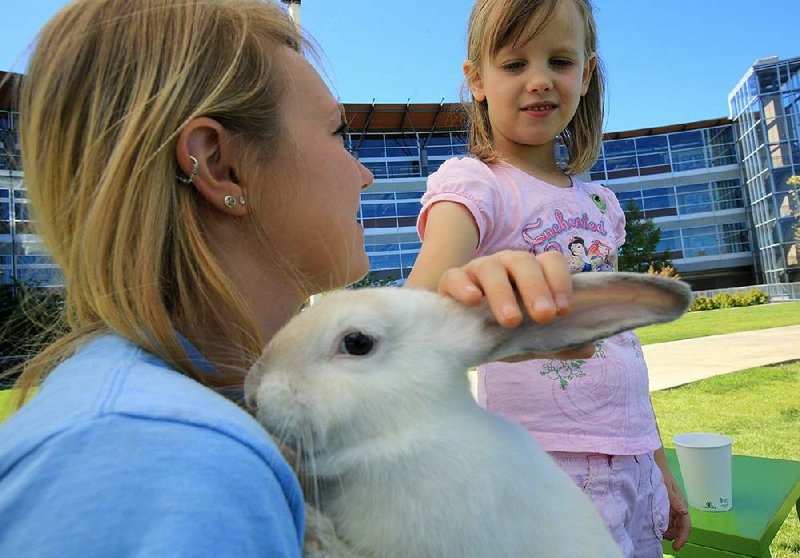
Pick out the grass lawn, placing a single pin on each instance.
(8, 403)
(724, 320)
(759, 408)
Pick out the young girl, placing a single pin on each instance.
(534, 78)
(180, 155)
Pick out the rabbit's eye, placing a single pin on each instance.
(357, 343)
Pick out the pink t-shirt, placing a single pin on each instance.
(598, 405)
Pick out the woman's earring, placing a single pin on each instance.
(190, 179)
(561, 152)
(242, 201)
(229, 201)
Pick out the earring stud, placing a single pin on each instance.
(229, 201)
(190, 179)
(242, 201)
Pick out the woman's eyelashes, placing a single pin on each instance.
(342, 130)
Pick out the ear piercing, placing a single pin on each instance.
(230, 201)
(190, 179)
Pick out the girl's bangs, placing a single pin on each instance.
(515, 22)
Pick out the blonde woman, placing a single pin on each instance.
(183, 159)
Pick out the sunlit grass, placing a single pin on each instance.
(759, 408)
(724, 320)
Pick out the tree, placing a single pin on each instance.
(31, 318)
(641, 238)
(372, 280)
(794, 194)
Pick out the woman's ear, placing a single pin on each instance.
(588, 72)
(474, 81)
(205, 141)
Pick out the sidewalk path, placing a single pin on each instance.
(679, 362)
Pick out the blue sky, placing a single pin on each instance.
(668, 61)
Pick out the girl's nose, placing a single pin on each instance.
(538, 80)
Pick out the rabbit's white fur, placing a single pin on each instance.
(406, 463)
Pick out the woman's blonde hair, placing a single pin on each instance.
(108, 90)
(495, 24)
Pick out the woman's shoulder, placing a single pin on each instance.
(112, 384)
(144, 442)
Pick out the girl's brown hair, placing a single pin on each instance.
(108, 90)
(494, 24)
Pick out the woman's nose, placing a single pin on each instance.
(366, 175)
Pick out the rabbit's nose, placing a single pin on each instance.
(251, 382)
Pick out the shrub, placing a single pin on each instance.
(666, 271)
(702, 303)
(724, 300)
(755, 296)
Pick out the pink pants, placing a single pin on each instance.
(629, 493)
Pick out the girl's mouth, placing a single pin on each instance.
(539, 110)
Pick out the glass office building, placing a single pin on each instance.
(765, 108)
(685, 177)
(716, 189)
(22, 254)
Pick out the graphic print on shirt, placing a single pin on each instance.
(563, 370)
(583, 240)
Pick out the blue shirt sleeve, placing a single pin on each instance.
(130, 486)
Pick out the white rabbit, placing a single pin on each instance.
(370, 387)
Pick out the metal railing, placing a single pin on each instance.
(777, 292)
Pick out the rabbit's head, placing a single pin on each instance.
(365, 362)
(359, 362)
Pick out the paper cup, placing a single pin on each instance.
(705, 462)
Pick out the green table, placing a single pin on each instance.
(764, 492)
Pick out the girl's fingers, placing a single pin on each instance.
(456, 284)
(556, 273)
(491, 275)
(527, 274)
(543, 282)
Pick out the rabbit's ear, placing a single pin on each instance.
(604, 304)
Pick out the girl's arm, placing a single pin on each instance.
(446, 264)
(451, 239)
(679, 523)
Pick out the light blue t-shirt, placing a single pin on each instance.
(118, 455)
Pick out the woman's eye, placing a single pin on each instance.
(342, 130)
(357, 344)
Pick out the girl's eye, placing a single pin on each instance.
(513, 66)
(561, 63)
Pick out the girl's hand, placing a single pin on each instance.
(679, 523)
(543, 282)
